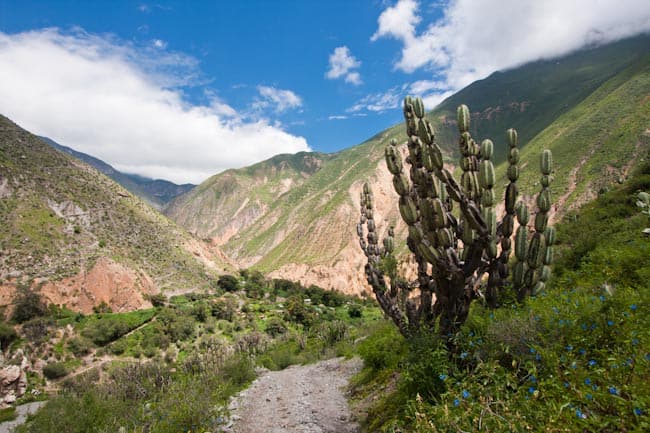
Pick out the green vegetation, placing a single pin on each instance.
(574, 358)
(175, 366)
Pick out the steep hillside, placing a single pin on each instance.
(590, 108)
(235, 199)
(81, 239)
(156, 192)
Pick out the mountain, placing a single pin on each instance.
(156, 192)
(81, 239)
(591, 108)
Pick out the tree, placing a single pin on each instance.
(454, 252)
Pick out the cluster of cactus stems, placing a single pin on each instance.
(462, 254)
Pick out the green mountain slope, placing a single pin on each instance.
(156, 192)
(80, 238)
(590, 108)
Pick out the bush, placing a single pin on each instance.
(55, 370)
(7, 335)
(384, 348)
(275, 326)
(224, 309)
(28, 305)
(37, 330)
(355, 311)
(228, 283)
(79, 346)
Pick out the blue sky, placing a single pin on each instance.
(182, 90)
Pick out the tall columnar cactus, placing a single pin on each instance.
(460, 256)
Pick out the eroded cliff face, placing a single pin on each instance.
(106, 282)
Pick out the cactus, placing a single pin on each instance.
(454, 252)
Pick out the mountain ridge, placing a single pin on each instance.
(307, 232)
(156, 192)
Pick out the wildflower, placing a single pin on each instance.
(580, 414)
(531, 350)
(582, 351)
(531, 390)
(592, 362)
(610, 322)
(566, 384)
(612, 390)
(594, 387)
(635, 341)
(602, 298)
(463, 355)
(587, 381)
(456, 402)
(589, 396)
(442, 376)
(569, 348)
(638, 411)
(647, 356)
(532, 378)
(633, 307)
(584, 326)
(466, 394)
(538, 357)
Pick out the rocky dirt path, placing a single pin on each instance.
(299, 399)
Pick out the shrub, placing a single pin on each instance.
(224, 309)
(228, 283)
(37, 330)
(7, 335)
(275, 326)
(28, 305)
(55, 370)
(79, 346)
(355, 311)
(383, 349)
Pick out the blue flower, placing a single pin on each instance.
(466, 394)
(531, 390)
(647, 356)
(566, 384)
(456, 402)
(638, 411)
(442, 376)
(594, 387)
(610, 322)
(538, 357)
(587, 381)
(592, 362)
(602, 298)
(629, 362)
(463, 355)
(635, 341)
(532, 379)
(612, 390)
(582, 351)
(569, 348)
(580, 414)
(589, 396)
(633, 307)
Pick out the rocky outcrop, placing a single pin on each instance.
(13, 378)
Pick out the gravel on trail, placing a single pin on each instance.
(298, 399)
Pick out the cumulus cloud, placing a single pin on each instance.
(474, 39)
(278, 99)
(342, 63)
(125, 105)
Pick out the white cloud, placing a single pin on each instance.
(280, 99)
(159, 43)
(337, 117)
(124, 104)
(475, 38)
(342, 63)
(379, 102)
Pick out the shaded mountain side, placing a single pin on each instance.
(308, 233)
(81, 239)
(156, 192)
